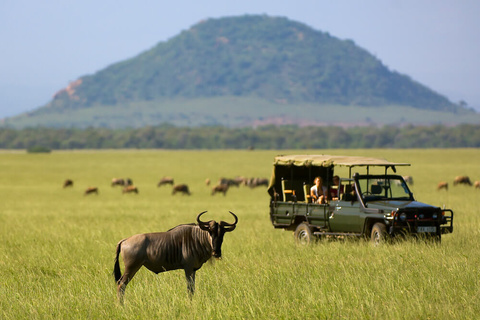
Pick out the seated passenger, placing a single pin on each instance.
(318, 192)
(334, 190)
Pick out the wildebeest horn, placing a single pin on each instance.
(201, 224)
(230, 226)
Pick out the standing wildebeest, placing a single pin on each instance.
(183, 188)
(68, 183)
(118, 182)
(130, 189)
(91, 190)
(462, 180)
(187, 247)
(256, 182)
(442, 185)
(165, 180)
(408, 179)
(220, 188)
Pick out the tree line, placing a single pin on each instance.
(264, 137)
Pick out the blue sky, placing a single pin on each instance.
(47, 44)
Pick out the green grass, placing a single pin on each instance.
(234, 112)
(57, 246)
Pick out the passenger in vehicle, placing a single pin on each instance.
(333, 192)
(318, 192)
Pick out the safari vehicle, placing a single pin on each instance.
(376, 205)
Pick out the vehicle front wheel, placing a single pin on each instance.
(303, 234)
(379, 233)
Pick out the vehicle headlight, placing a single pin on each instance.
(434, 216)
(403, 216)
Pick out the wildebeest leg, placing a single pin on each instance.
(124, 280)
(190, 275)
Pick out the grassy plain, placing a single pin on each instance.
(57, 245)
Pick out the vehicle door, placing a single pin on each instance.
(345, 216)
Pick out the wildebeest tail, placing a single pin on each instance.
(116, 268)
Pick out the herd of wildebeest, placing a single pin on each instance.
(458, 180)
(222, 185)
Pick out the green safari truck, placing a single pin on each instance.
(376, 205)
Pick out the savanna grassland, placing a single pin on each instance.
(57, 246)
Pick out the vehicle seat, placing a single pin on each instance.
(306, 192)
(287, 191)
(376, 189)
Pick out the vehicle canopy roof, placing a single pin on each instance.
(330, 160)
(301, 169)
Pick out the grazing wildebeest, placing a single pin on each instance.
(187, 247)
(130, 189)
(408, 179)
(128, 182)
(462, 180)
(183, 188)
(229, 182)
(477, 184)
(220, 188)
(442, 185)
(91, 190)
(165, 180)
(118, 182)
(256, 182)
(68, 183)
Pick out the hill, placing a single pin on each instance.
(241, 71)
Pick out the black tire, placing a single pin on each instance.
(379, 233)
(303, 234)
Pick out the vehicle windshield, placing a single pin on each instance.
(374, 188)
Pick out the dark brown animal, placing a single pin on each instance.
(91, 190)
(230, 182)
(118, 182)
(165, 180)
(130, 189)
(183, 188)
(442, 185)
(186, 247)
(462, 180)
(256, 182)
(68, 183)
(223, 188)
(477, 184)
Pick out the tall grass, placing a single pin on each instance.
(57, 245)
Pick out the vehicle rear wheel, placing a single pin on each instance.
(303, 234)
(379, 233)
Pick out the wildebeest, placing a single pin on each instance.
(68, 183)
(183, 188)
(230, 182)
(118, 182)
(165, 180)
(462, 180)
(442, 185)
(477, 184)
(130, 189)
(91, 190)
(187, 247)
(256, 182)
(220, 188)
(408, 179)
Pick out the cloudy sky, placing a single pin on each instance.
(47, 44)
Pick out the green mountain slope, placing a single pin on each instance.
(269, 60)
